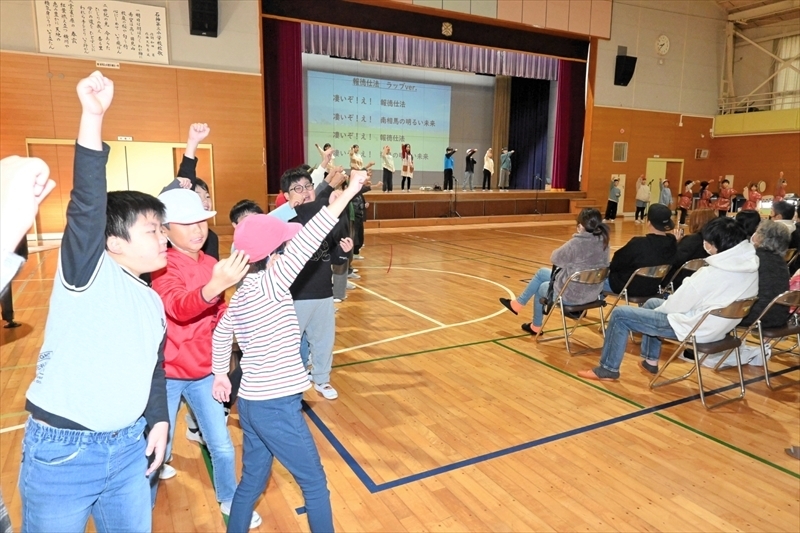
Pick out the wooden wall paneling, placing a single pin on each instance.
(431, 209)
(145, 103)
(534, 12)
(555, 206)
(758, 157)
(26, 106)
(608, 126)
(558, 14)
(469, 208)
(600, 25)
(510, 10)
(499, 207)
(232, 105)
(580, 16)
(389, 210)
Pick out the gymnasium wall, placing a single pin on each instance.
(758, 157)
(236, 48)
(38, 100)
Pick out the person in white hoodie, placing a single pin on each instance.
(642, 199)
(731, 274)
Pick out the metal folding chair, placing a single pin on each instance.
(790, 254)
(587, 277)
(692, 265)
(656, 272)
(736, 311)
(773, 336)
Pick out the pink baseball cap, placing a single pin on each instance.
(260, 235)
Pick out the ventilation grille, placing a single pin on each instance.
(620, 153)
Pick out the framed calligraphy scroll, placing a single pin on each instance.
(100, 29)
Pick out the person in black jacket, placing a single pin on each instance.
(771, 240)
(784, 212)
(691, 246)
(6, 298)
(655, 248)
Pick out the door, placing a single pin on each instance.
(655, 172)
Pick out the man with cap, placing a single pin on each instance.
(731, 274)
(192, 288)
(655, 248)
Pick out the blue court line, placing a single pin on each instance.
(373, 487)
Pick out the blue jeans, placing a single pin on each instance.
(210, 416)
(537, 287)
(276, 429)
(67, 475)
(626, 319)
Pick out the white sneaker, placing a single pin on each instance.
(355, 270)
(358, 257)
(353, 276)
(328, 392)
(255, 520)
(337, 300)
(167, 472)
(350, 286)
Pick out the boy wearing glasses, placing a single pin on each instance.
(312, 291)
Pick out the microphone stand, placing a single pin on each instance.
(536, 205)
(453, 201)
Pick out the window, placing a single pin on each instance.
(787, 82)
(620, 153)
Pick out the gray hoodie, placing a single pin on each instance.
(583, 251)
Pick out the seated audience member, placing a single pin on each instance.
(691, 246)
(655, 248)
(731, 274)
(771, 240)
(784, 213)
(587, 249)
(748, 220)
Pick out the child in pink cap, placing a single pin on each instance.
(261, 314)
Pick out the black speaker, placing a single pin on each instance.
(203, 17)
(624, 70)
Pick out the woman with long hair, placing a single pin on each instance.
(587, 249)
(407, 171)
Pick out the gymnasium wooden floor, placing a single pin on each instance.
(451, 419)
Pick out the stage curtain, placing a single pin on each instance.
(502, 106)
(570, 114)
(389, 48)
(527, 132)
(283, 92)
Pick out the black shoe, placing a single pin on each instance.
(688, 354)
(11, 325)
(653, 369)
(528, 329)
(507, 304)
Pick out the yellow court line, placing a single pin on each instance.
(438, 328)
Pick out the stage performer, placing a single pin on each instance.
(753, 197)
(685, 200)
(614, 194)
(388, 168)
(449, 164)
(505, 168)
(705, 195)
(407, 171)
(488, 170)
(780, 189)
(724, 198)
(469, 170)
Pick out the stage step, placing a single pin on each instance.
(456, 221)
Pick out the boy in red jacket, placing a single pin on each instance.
(192, 288)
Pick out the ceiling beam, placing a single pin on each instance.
(765, 11)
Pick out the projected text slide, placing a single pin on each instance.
(344, 110)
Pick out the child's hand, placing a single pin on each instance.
(227, 273)
(346, 244)
(95, 93)
(24, 183)
(157, 445)
(221, 390)
(198, 131)
(357, 180)
(185, 183)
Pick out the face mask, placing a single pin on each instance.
(705, 247)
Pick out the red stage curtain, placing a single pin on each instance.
(570, 114)
(283, 92)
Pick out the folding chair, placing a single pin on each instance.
(656, 272)
(587, 277)
(774, 335)
(790, 254)
(692, 265)
(736, 311)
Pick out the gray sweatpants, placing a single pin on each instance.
(317, 320)
(504, 174)
(467, 181)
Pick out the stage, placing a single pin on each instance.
(417, 208)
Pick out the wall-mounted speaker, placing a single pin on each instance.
(203, 17)
(624, 70)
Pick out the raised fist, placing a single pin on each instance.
(198, 131)
(95, 93)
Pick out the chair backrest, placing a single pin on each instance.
(694, 265)
(789, 255)
(658, 271)
(737, 310)
(590, 277)
(790, 298)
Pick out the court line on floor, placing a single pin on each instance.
(675, 403)
(398, 304)
(374, 487)
(438, 328)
